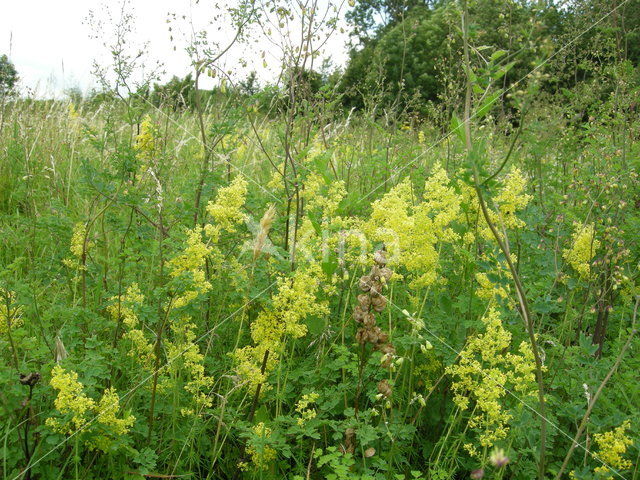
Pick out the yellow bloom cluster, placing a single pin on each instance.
(583, 248)
(411, 231)
(482, 372)
(611, 448)
(511, 198)
(77, 247)
(261, 454)
(294, 301)
(145, 145)
(10, 314)
(107, 410)
(199, 384)
(226, 211)
(191, 262)
(302, 407)
(71, 400)
(124, 308)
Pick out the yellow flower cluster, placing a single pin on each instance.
(482, 372)
(71, 400)
(302, 407)
(226, 211)
(145, 145)
(77, 247)
(199, 384)
(106, 411)
(191, 262)
(511, 198)
(294, 301)
(611, 448)
(583, 248)
(124, 308)
(261, 454)
(10, 314)
(411, 231)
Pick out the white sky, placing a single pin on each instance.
(49, 41)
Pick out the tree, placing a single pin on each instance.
(8, 75)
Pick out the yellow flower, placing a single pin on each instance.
(481, 373)
(302, 407)
(191, 262)
(583, 248)
(10, 313)
(411, 230)
(294, 301)
(611, 448)
(261, 453)
(99, 421)
(226, 211)
(145, 145)
(187, 351)
(71, 399)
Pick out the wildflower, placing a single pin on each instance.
(226, 210)
(72, 401)
(511, 198)
(302, 407)
(477, 473)
(185, 348)
(106, 411)
(412, 230)
(145, 145)
(10, 313)
(482, 372)
(294, 301)
(612, 446)
(260, 452)
(583, 248)
(78, 248)
(191, 263)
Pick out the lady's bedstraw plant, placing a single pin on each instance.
(612, 446)
(485, 371)
(97, 422)
(295, 300)
(583, 248)
(411, 230)
(78, 248)
(145, 143)
(124, 310)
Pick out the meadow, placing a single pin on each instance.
(256, 289)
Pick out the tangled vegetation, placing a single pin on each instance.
(308, 292)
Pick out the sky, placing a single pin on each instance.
(51, 45)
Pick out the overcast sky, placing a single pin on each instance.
(50, 42)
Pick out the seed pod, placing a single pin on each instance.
(365, 283)
(384, 388)
(375, 273)
(29, 379)
(386, 273)
(369, 452)
(379, 303)
(364, 300)
(360, 314)
(369, 320)
(383, 337)
(380, 257)
(375, 289)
